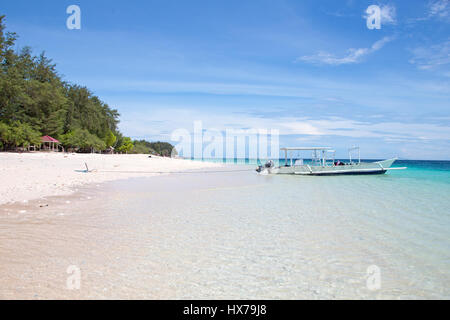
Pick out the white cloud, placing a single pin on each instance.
(357, 129)
(142, 124)
(439, 8)
(436, 9)
(433, 57)
(353, 55)
(388, 14)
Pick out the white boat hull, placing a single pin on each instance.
(379, 167)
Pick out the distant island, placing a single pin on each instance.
(36, 102)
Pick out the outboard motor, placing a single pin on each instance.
(269, 164)
(264, 169)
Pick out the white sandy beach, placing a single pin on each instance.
(29, 176)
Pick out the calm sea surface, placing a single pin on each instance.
(236, 235)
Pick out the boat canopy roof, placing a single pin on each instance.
(305, 148)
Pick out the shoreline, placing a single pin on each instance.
(30, 176)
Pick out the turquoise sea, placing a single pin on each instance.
(236, 234)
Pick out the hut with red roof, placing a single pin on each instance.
(50, 143)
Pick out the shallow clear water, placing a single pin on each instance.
(236, 235)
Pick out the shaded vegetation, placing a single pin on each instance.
(157, 148)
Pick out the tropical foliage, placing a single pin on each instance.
(159, 148)
(126, 146)
(35, 101)
(18, 134)
(82, 139)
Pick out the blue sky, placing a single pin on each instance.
(311, 69)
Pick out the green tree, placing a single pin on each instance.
(5, 135)
(82, 140)
(70, 140)
(18, 135)
(24, 135)
(162, 148)
(145, 147)
(127, 145)
(110, 139)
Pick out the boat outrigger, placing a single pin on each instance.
(323, 163)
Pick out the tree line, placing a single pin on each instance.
(35, 101)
